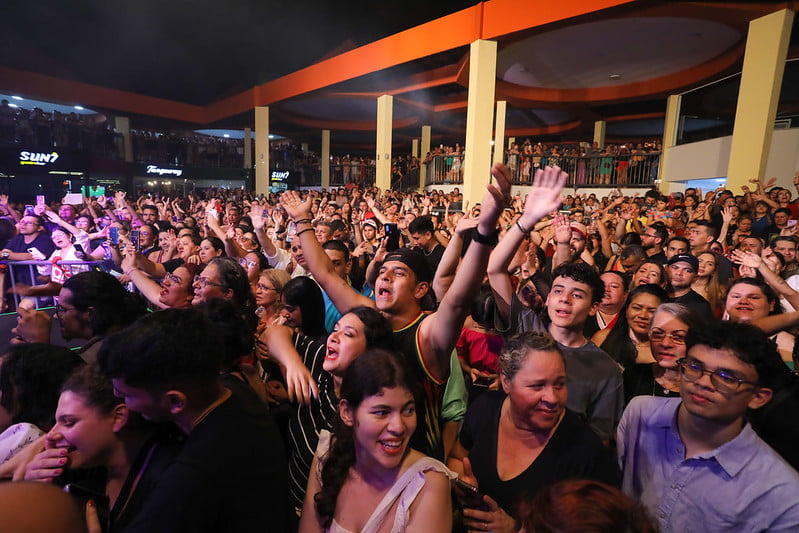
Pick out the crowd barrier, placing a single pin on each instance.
(27, 272)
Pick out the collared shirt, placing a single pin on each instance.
(741, 486)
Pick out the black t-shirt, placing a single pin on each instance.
(230, 477)
(694, 301)
(573, 451)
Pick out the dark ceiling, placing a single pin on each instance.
(194, 51)
(556, 76)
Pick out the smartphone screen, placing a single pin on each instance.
(135, 239)
(393, 237)
(113, 234)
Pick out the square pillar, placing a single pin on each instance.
(385, 123)
(262, 150)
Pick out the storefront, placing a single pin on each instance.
(26, 173)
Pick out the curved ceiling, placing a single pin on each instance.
(633, 48)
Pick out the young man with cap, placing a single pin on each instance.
(682, 270)
(570, 238)
(694, 461)
(426, 340)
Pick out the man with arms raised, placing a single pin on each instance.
(426, 340)
(695, 461)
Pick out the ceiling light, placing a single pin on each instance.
(13, 105)
(615, 77)
(17, 97)
(79, 107)
(226, 136)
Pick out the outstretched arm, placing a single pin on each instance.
(439, 332)
(343, 296)
(544, 197)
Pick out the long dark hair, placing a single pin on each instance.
(303, 292)
(369, 374)
(618, 344)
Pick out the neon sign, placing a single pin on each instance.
(37, 158)
(152, 169)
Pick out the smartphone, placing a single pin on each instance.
(483, 381)
(393, 237)
(80, 253)
(469, 496)
(29, 211)
(84, 494)
(792, 223)
(113, 234)
(291, 232)
(135, 239)
(36, 254)
(40, 199)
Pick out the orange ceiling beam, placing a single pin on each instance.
(75, 92)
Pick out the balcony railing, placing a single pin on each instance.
(596, 170)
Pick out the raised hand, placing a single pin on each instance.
(544, 197)
(747, 259)
(563, 231)
(294, 206)
(494, 200)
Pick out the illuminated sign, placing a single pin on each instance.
(37, 158)
(152, 169)
(277, 175)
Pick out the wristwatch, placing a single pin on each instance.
(5, 254)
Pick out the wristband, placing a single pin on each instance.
(131, 270)
(302, 231)
(300, 221)
(490, 240)
(518, 225)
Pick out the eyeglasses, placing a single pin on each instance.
(60, 309)
(28, 223)
(171, 278)
(263, 287)
(723, 380)
(649, 235)
(677, 337)
(204, 282)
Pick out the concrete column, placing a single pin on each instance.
(122, 125)
(262, 150)
(761, 81)
(324, 158)
(671, 130)
(599, 133)
(425, 150)
(415, 148)
(479, 119)
(499, 132)
(385, 123)
(247, 148)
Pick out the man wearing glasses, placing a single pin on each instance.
(32, 236)
(653, 239)
(695, 461)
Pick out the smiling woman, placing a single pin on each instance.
(521, 438)
(370, 477)
(95, 429)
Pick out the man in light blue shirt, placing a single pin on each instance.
(695, 462)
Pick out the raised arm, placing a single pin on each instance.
(145, 285)
(299, 382)
(544, 197)
(439, 332)
(447, 267)
(343, 296)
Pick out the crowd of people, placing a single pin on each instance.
(362, 360)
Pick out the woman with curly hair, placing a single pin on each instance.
(369, 475)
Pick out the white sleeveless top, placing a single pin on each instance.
(404, 490)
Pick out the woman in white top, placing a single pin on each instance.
(368, 480)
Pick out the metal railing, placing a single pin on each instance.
(595, 170)
(359, 174)
(27, 272)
